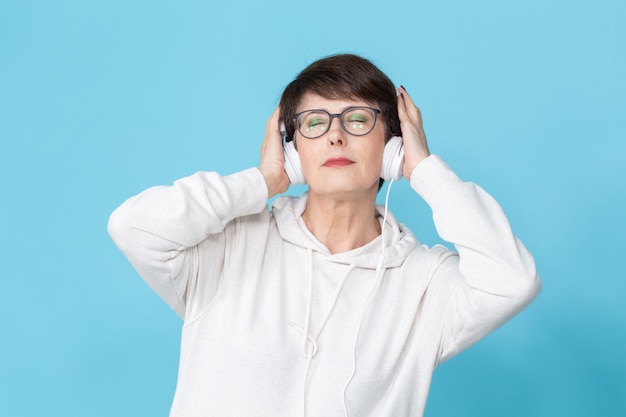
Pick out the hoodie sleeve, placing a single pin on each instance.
(492, 278)
(159, 229)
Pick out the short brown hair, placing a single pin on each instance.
(342, 76)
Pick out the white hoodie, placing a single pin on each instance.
(275, 325)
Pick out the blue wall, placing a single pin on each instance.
(101, 99)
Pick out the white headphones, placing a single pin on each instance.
(393, 161)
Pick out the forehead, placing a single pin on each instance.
(314, 101)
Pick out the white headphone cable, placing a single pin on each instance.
(378, 270)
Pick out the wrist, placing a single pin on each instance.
(275, 184)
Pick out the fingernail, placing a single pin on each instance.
(402, 87)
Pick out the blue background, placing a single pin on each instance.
(101, 99)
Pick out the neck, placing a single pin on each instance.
(342, 225)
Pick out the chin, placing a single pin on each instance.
(343, 185)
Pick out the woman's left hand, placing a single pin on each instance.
(414, 138)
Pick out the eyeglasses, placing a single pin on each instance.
(357, 121)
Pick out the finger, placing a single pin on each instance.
(272, 130)
(272, 122)
(412, 110)
(405, 104)
(402, 113)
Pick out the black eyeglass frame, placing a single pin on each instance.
(331, 116)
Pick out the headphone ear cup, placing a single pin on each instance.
(393, 159)
(293, 167)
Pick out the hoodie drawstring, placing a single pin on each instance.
(309, 342)
(379, 272)
(307, 311)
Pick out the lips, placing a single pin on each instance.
(337, 162)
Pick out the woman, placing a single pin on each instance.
(322, 306)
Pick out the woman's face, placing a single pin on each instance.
(338, 162)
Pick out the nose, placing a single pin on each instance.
(335, 135)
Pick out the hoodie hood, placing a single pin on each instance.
(399, 240)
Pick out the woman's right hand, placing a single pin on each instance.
(272, 164)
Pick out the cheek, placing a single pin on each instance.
(376, 154)
(306, 154)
